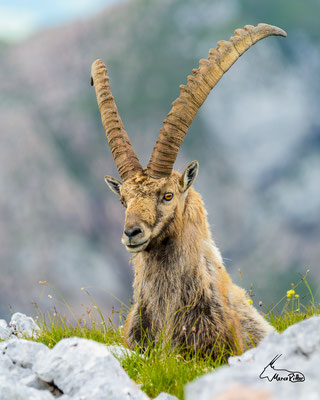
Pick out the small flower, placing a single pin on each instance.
(296, 296)
(260, 303)
(290, 293)
(49, 295)
(42, 282)
(250, 301)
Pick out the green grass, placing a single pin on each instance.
(159, 368)
(291, 309)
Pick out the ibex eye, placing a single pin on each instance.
(168, 196)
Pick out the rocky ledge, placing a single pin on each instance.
(282, 366)
(74, 369)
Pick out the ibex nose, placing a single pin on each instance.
(133, 232)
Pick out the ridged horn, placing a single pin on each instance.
(123, 153)
(194, 93)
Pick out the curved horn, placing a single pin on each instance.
(194, 93)
(123, 153)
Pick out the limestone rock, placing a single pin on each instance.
(84, 369)
(21, 325)
(5, 331)
(14, 378)
(74, 369)
(165, 396)
(299, 350)
(120, 352)
(23, 352)
(10, 389)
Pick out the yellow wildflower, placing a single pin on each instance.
(250, 301)
(296, 296)
(290, 293)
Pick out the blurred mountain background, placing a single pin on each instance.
(257, 138)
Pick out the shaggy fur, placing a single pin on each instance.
(181, 288)
(180, 281)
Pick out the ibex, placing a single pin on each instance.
(181, 284)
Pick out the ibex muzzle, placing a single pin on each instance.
(182, 290)
(136, 234)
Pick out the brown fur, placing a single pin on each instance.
(181, 286)
(180, 281)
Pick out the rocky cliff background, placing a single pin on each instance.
(257, 138)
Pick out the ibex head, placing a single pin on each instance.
(155, 196)
(151, 205)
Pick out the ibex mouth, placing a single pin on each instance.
(135, 248)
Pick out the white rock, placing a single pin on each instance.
(84, 369)
(16, 360)
(32, 380)
(165, 396)
(74, 369)
(3, 323)
(24, 352)
(10, 389)
(5, 363)
(21, 326)
(299, 347)
(120, 352)
(5, 331)
(35, 382)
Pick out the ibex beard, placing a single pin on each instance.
(181, 285)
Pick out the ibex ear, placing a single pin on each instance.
(189, 175)
(113, 184)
